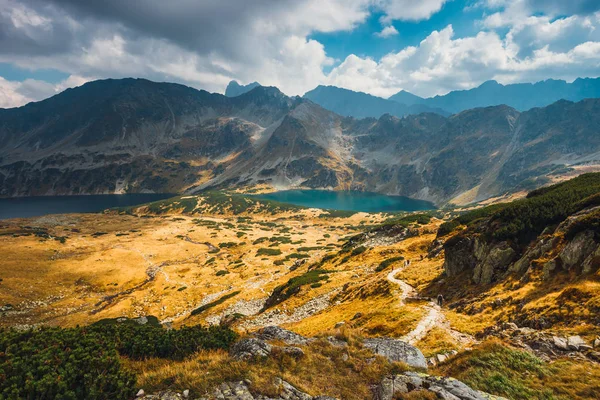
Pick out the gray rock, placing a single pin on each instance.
(277, 333)
(240, 391)
(576, 342)
(494, 261)
(339, 325)
(140, 393)
(396, 350)
(250, 348)
(578, 249)
(441, 358)
(186, 393)
(444, 388)
(597, 343)
(560, 343)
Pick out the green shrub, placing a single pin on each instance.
(358, 250)
(83, 362)
(268, 252)
(523, 220)
(293, 286)
(447, 227)
(52, 363)
(215, 303)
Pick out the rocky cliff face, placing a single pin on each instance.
(566, 237)
(134, 135)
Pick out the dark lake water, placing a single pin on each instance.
(348, 200)
(24, 207)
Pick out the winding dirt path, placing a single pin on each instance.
(434, 317)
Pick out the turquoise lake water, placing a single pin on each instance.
(24, 207)
(348, 200)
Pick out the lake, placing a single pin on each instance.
(24, 207)
(348, 200)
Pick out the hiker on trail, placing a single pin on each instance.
(440, 300)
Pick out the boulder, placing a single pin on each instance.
(396, 350)
(560, 343)
(277, 333)
(444, 388)
(576, 343)
(249, 348)
(597, 343)
(339, 325)
(240, 391)
(140, 393)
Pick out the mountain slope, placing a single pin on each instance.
(360, 105)
(521, 96)
(547, 243)
(133, 135)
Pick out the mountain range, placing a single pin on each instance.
(361, 105)
(134, 135)
(521, 96)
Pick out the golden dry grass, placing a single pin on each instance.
(346, 373)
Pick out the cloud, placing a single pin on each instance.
(408, 10)
(202, 44)
(15, 94)
(441, 63)
(205, 44)
(387, 32)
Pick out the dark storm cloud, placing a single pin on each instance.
(198, 26)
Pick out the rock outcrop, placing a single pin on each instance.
(396, 350)
(443, 388)
(241, 391)
(567, 247)
(278, 333)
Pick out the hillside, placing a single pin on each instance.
(543, 251)
(133, 135)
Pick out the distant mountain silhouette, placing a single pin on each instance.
(521, 96)
(361, 105)
(407, 98)
(234, 89)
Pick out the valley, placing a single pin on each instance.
(227, 259)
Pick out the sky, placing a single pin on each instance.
(426, 47)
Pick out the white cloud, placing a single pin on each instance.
(387, 32)
(408, 10)
(16, 94)
(9, 97)
(207, 44)
(442, 63)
